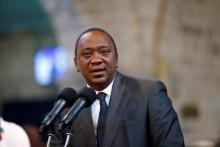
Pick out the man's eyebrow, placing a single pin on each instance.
(87, 48)
(103, 46)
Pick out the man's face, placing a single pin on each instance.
(96, 59)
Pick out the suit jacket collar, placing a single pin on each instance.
(119, 98)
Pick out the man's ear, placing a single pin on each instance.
(76, 64)
(117, 58)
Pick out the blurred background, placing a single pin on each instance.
(175, 41)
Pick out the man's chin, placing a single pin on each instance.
(99, 80)
(100, 83)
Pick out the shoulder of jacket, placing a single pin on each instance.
(140, 80)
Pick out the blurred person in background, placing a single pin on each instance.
(34, 136)
(12, 135)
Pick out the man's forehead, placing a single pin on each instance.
(86, 35)
(95, 37)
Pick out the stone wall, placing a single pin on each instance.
(191, 50)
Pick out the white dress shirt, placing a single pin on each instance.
(95, 107)
(13, 135)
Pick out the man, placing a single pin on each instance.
(139, 112)
(12, 135)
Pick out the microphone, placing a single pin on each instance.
(86, 96)
(65, 99)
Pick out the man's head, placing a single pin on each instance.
(96, 57)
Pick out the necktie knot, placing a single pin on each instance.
(101, 96)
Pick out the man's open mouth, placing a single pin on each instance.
(97, 72)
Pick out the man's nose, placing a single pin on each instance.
(96, 59)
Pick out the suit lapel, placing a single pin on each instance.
(86, 126)
(119, 98)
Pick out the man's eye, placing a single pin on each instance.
(87, 54)
(105, 51)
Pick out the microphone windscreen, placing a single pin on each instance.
(69, 95)
(88, 95)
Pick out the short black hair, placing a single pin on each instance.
(95, 30)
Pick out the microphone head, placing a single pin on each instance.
(88, 95)
(69, 95)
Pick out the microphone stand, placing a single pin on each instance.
(67, 139)
(68, 134)
(50, 135)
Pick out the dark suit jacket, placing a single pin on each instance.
(140, 114)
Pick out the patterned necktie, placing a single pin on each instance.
(102, 117)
